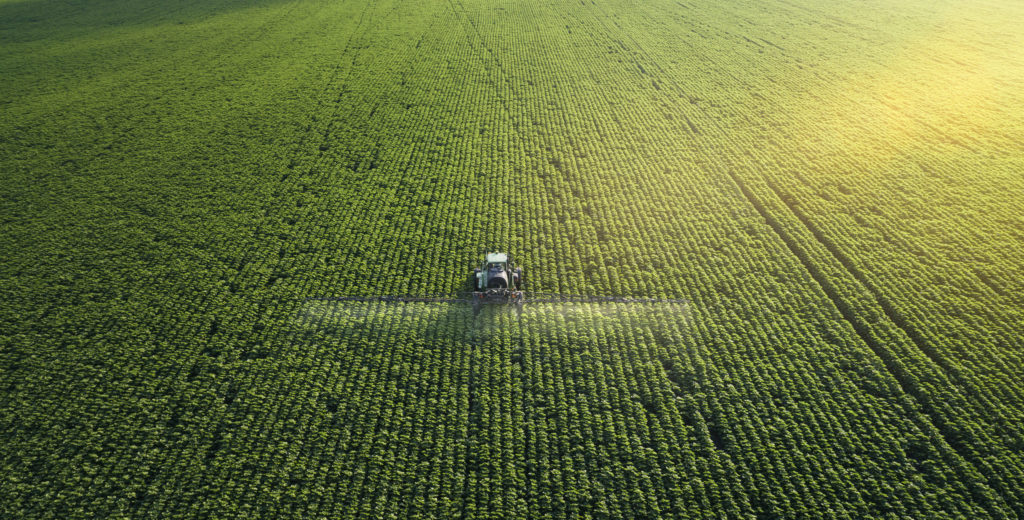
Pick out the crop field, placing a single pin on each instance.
(831, 192)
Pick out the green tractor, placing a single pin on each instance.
(498, 280)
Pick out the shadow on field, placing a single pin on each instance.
(60, 20)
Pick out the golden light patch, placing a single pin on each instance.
(955, 88)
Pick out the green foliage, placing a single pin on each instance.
(179, 178)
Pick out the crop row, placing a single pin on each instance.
(163, 360)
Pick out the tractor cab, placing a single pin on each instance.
(496, 259)
(496, 274)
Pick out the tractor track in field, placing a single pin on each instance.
(932, 418)
(863, 328)
(890, 312)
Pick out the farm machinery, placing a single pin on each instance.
(499, 281)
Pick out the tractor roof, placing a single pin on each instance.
(496, 258)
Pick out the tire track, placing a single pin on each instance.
(932, 418)
(869, 337)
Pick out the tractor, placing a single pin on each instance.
(498, 280)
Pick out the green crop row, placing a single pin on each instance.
(181, 180)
